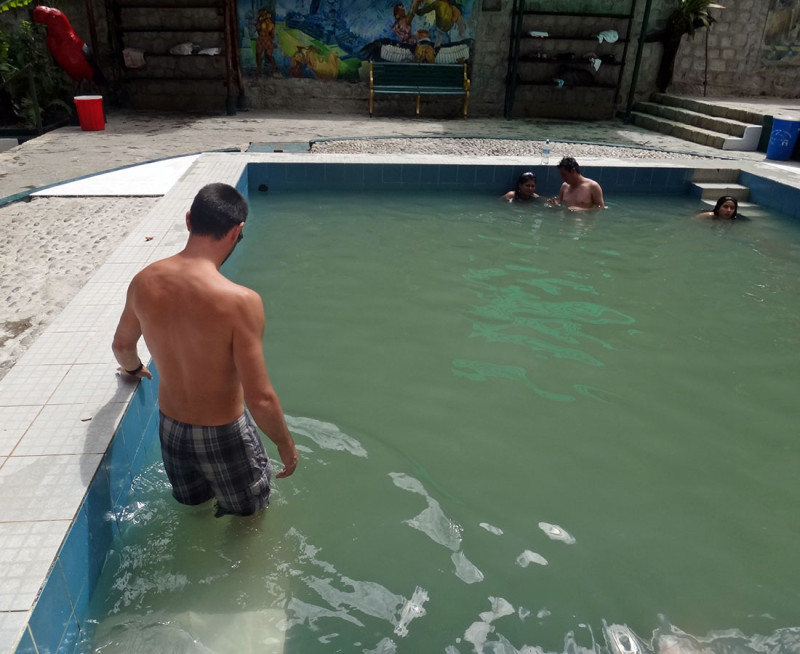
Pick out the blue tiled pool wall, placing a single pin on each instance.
(490, 179)
(772, 195)
(55, 624)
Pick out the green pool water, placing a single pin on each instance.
(516, 424)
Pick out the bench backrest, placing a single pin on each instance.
(417, 74)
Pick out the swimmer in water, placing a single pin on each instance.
(727, 208)
(526, 189)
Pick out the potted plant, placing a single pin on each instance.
(687, 17)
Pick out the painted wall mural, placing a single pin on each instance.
(331, 39)
(781, 43)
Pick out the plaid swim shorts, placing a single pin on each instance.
(228, 462)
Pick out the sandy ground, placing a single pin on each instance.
(49, 249)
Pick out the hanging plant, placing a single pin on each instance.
(686, 18)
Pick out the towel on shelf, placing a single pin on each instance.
(610, 36)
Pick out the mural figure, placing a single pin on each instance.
(446, 15)
(265, 42)
(297, 62)
(402, 21)
(325, 66)
(424, 52)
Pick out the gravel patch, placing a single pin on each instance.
(492, 147)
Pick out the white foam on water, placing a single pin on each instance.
(528, 557)
(326, 435)
(407, 483)
(385, 646)
(500, 607)
(555, 532)
(413, 608)
(437, 526)
(432, 521)
(465, 569)
(302, 612)
(477, 634)
(492, 529)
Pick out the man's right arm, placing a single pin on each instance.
(126, 339)
(259, 395)
(556, 201)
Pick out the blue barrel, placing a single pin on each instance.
(782, 138)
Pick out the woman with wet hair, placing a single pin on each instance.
(526, 189)
(727, 208)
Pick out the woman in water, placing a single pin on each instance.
(727, 208)
(526, 189)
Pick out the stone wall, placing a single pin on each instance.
(735, 66)
(736, 62)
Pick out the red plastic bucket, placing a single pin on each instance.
(90, 112)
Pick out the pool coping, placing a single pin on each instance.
(68, 375)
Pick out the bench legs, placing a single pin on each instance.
(417, 106)
(371, 99)
(466, 101)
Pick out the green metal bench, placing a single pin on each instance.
(418, 79)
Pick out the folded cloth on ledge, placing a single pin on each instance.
(609, 35)
(538, 34)
(133, 58)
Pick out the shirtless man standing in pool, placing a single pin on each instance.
(205, 335)
(577, 192)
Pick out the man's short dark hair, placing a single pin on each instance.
(216, 209)
(569, 164)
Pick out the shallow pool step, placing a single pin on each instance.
(243, 632)
(715, 190)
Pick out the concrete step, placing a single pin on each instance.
(708, 108)
(679, 130)
(712, 191)
(738, 135)
(716, 175)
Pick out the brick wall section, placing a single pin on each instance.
(736, 67)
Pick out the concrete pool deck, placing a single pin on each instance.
(60, 403)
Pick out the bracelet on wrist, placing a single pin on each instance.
(136, 370)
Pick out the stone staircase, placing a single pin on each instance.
(723, 127)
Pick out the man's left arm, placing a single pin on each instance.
(126, 338)
(597, 196)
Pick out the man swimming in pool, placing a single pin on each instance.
(205, 335)
(577, 192)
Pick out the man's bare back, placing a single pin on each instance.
(199, 383)
(204, 332)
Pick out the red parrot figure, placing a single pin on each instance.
(67, 48)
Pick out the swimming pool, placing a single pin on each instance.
(407, 594)
(537, 420)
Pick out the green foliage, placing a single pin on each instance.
(691, 14)
(25, 45)
(13, 4)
